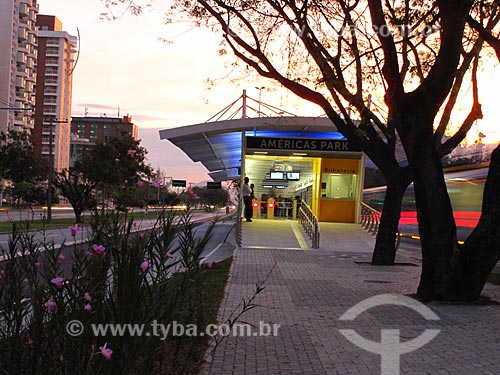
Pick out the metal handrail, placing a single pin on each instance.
(370, 220)
(238, 232)
(310, 223)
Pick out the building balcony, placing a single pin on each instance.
(48, 92)
(52, 43)
(52, 62)
(24, 10)
(22, 35)
(31, 39)
(30, 63)
(50, 82)
(52, 51)
(29, 87)
(20, 82)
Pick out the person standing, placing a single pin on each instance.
(246, 192)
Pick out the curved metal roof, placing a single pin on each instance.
(217, 145)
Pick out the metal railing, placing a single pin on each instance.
(238, 232)
(310, 223)
(370, 220)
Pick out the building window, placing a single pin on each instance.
(81, 130)
(52, 51)
(106, 132)
(51, 70)
(93, 133)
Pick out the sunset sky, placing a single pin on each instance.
(123, 64)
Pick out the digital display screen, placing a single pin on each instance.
(277, 176)
(293, 176)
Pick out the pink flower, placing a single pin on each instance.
(145, 265)
(156, 184)
(58, 282)
(61, 258)
(37, 265)
(51, 306)
(210, 265)
(99, 249)
(140, 183)
(87, 297)
(74, 230)
(106, 352)
(25, 280)
(141, 235)
(88, 307)
(131, 153)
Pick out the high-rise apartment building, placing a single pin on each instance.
(56, 50)
(17, 63)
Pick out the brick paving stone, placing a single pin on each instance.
(307, 291)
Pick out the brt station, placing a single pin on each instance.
(291, 161)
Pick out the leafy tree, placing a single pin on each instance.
(211, 197)
(19, 164)
(77, 189)
(116, 166)
(119, 161)
(413, 57)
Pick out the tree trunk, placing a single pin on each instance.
(384, 253)
(437, 229)
(78, 215)
(479, 254)
(434, 212)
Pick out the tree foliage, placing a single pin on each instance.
(77, 189)
(18, 161)
(211, 197)
(119, 161)
(410, 57)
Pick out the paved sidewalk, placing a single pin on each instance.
(308, 290)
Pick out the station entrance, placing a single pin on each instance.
(327, 175)
(288, 158)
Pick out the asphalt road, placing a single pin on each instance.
(215, 250)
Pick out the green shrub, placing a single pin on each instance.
(120, 277)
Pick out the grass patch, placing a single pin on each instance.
(186, 355)
(7, 226)
(214, 281)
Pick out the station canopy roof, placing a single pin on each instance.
(217, 143)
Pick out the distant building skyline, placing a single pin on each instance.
(89, 130)
(55, 63)
(101, 129)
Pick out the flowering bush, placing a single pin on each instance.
(119, 277)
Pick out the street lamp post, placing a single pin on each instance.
(50, 179)
(260, 95)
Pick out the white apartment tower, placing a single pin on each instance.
(56, 49)
(17, 63)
